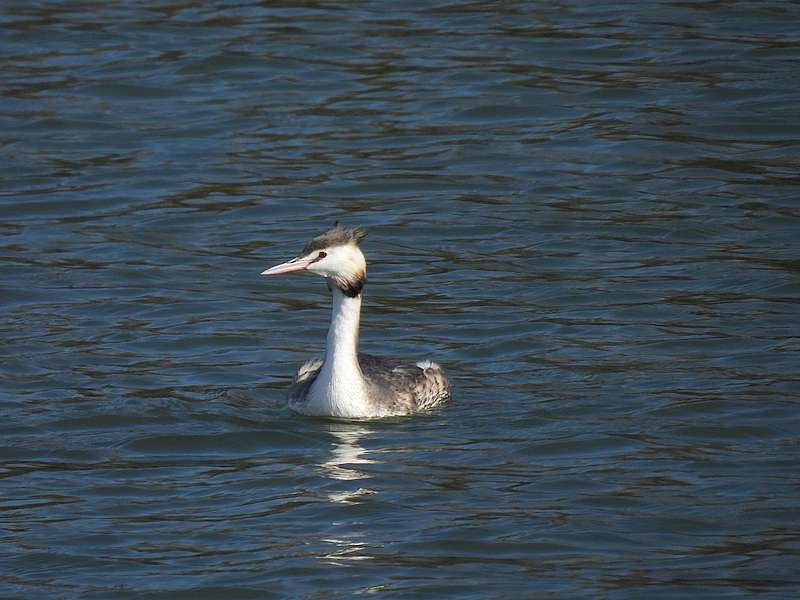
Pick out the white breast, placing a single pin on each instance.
(337, 392)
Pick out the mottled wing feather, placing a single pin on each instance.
(409, 388)
(302, 381)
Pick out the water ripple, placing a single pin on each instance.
(587, 213)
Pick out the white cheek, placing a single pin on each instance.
(335, 267)
(325, 267)
(340, 262)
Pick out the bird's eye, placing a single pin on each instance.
(321, 255)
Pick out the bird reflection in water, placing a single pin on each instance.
(347, 454)
(342, 466)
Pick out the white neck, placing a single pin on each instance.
(341, 347)
(339, 389)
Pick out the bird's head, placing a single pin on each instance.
(333, 254)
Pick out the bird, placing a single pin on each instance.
(345, 383)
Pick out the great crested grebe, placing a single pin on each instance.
(346, 383)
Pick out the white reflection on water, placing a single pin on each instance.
(347, 550)
(346, 454)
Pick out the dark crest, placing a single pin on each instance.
(335, 236)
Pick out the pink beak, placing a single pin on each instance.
(296, 264)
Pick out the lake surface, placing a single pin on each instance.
(589, 213)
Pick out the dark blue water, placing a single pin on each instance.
(587, 212)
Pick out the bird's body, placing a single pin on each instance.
(391, 389)
(346, 383)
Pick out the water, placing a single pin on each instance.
(588, 212)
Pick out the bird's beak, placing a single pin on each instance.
(296, 264)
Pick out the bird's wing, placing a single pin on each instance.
(303, 379)
(407, 387)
